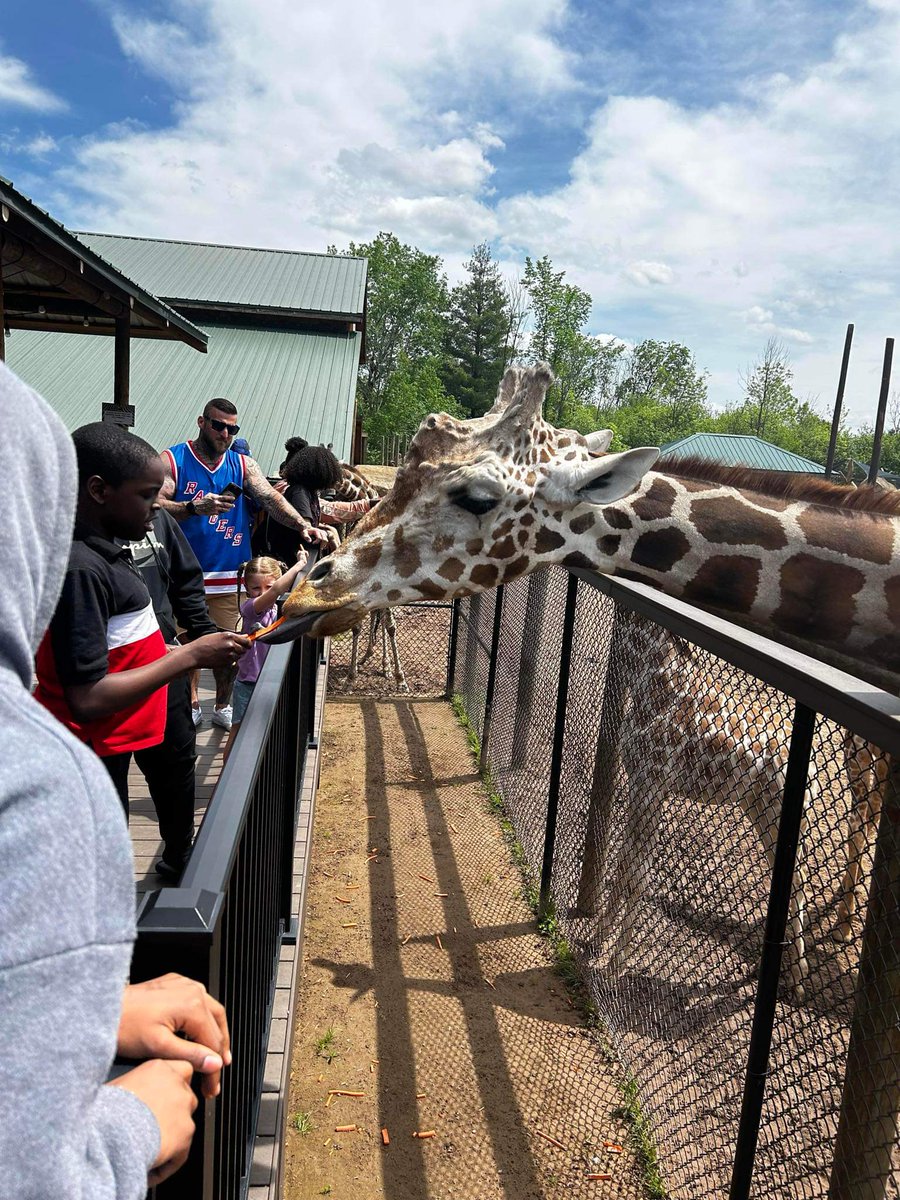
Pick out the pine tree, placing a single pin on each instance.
(476, 347)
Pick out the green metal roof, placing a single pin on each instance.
(283, 382)
(51, 250)
(740, 450)
(239, 276)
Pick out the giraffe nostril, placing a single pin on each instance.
(320, 571)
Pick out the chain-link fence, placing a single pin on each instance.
(659, 770)
(399, 650)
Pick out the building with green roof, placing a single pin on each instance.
(740, 450)
(285, 332)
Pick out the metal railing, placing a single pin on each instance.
(702, 829)
(225, 922)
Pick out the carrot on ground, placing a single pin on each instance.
(344, 1128)
(349, 925)
(342, 900)
(424, 1133)
(437, 938)
(341, 1092)
(613, 1146)
(427, 880)
(385, 1137)
(421, 1095)
(442, 894)
(551, 1140)
(599, 1175)
(406, 939)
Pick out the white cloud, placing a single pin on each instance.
(718, 225)
(41, 145)
(647, 273)
(19, 90)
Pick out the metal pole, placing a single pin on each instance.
(770, 964)
(838, 404)
(491, 679)
(870, 1099)
(451, 651)
(559, 730)
(882, 409)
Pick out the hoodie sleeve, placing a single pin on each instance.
(67, 904)
(185, 587)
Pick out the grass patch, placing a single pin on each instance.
(302, 1122)
(565, 965)
(324, 1046)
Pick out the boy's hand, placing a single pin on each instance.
(219, 649)
(165, 1087)
(154, 1013)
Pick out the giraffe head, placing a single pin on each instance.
(476, 503)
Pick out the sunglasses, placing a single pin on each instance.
(223, 426)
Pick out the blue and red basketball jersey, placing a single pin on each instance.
(222, 541)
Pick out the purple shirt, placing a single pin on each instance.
(251, 661)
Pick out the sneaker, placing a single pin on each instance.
(196, 714)
(168, 871)
(223, 716)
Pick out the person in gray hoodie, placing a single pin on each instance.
(67, 900)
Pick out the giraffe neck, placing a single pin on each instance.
(809, 576)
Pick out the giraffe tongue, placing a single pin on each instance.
(285, 629)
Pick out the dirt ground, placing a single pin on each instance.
(427, 989)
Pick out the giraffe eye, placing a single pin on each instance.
(476, 505)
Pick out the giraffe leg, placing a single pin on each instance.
(374, 622)
(867, 772)
(390, 631)
(354, 654)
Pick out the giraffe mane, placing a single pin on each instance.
(785, 486)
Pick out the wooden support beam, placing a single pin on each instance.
(120, 411)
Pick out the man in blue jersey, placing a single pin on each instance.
(206, 489)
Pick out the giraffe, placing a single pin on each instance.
(353, 488)
(485, 501)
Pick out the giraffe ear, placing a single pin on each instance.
(607, 480)
(599, 442)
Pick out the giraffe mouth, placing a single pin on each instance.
(303, 616)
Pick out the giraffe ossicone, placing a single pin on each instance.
(484, 501)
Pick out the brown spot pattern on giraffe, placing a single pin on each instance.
(616, 518)
(729, 521)
(885, 652)
(726, 581)
(609, 544)
(393, 595)
(505, 548)
(657, 503)
(485, 575)
(451, 569)
(368, 555)
(517, 567)
(583, 523)
(861, 536)
(892, 598)
(474, 546)
(660, 549)
(441, 543)
(430, 590)
(817, 598)
(577, 559)
(407, 559)
(547, 541)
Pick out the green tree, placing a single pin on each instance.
(662, 395)
(768, 399)
(580, 362)
(405, 312)
(477, 333)
(413, 390)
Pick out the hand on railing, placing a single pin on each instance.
(165, 1087)
(154, 1013)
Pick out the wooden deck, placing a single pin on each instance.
(142, 824)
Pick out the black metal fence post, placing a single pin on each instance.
(838, 404)
(559, 730)
(451, 652)
(491, 679)
(881, 411)
(789, 827)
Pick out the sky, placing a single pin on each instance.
(714, 172)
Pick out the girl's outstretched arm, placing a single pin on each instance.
(284, 584)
